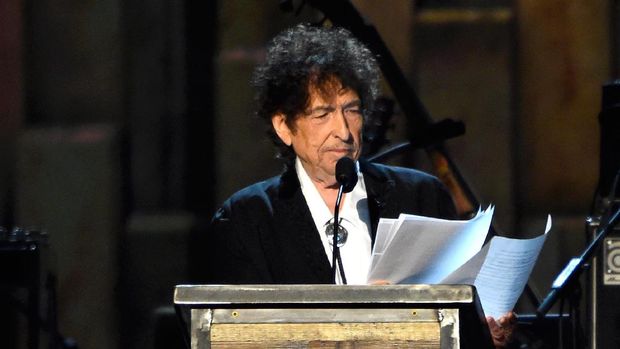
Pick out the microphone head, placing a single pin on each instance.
(346, 174)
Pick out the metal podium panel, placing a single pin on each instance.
(329, 316)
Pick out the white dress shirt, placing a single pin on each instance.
(355, 253)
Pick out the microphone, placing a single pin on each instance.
(346, 175)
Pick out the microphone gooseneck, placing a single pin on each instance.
(346, 175)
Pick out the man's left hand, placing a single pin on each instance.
(502, 329)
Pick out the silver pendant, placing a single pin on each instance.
(343, 234)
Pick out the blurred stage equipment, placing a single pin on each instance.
(603, 293)
(27, 291)
(21, 285)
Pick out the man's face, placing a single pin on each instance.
(329, 129)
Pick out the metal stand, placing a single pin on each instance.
(566, 283)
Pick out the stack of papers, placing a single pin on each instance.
(422, 250)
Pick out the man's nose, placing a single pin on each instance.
(341, 126)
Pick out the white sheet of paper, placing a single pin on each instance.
(385, 232)
(417, 249)
(467, 273)
(505, 271)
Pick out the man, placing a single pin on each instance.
(314, 91)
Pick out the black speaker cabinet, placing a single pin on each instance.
(603, 302)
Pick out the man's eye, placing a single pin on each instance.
(320, 115)
(355, 111)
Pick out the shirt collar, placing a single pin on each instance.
(319, 210)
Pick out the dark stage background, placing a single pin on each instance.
(123, 124)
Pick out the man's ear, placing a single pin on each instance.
(278, 121)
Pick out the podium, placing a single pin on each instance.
(332, 316)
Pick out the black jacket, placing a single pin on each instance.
(265, 234)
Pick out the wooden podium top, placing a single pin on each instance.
(427, 295)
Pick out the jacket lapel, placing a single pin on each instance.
(296, 248)
(379, 190)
